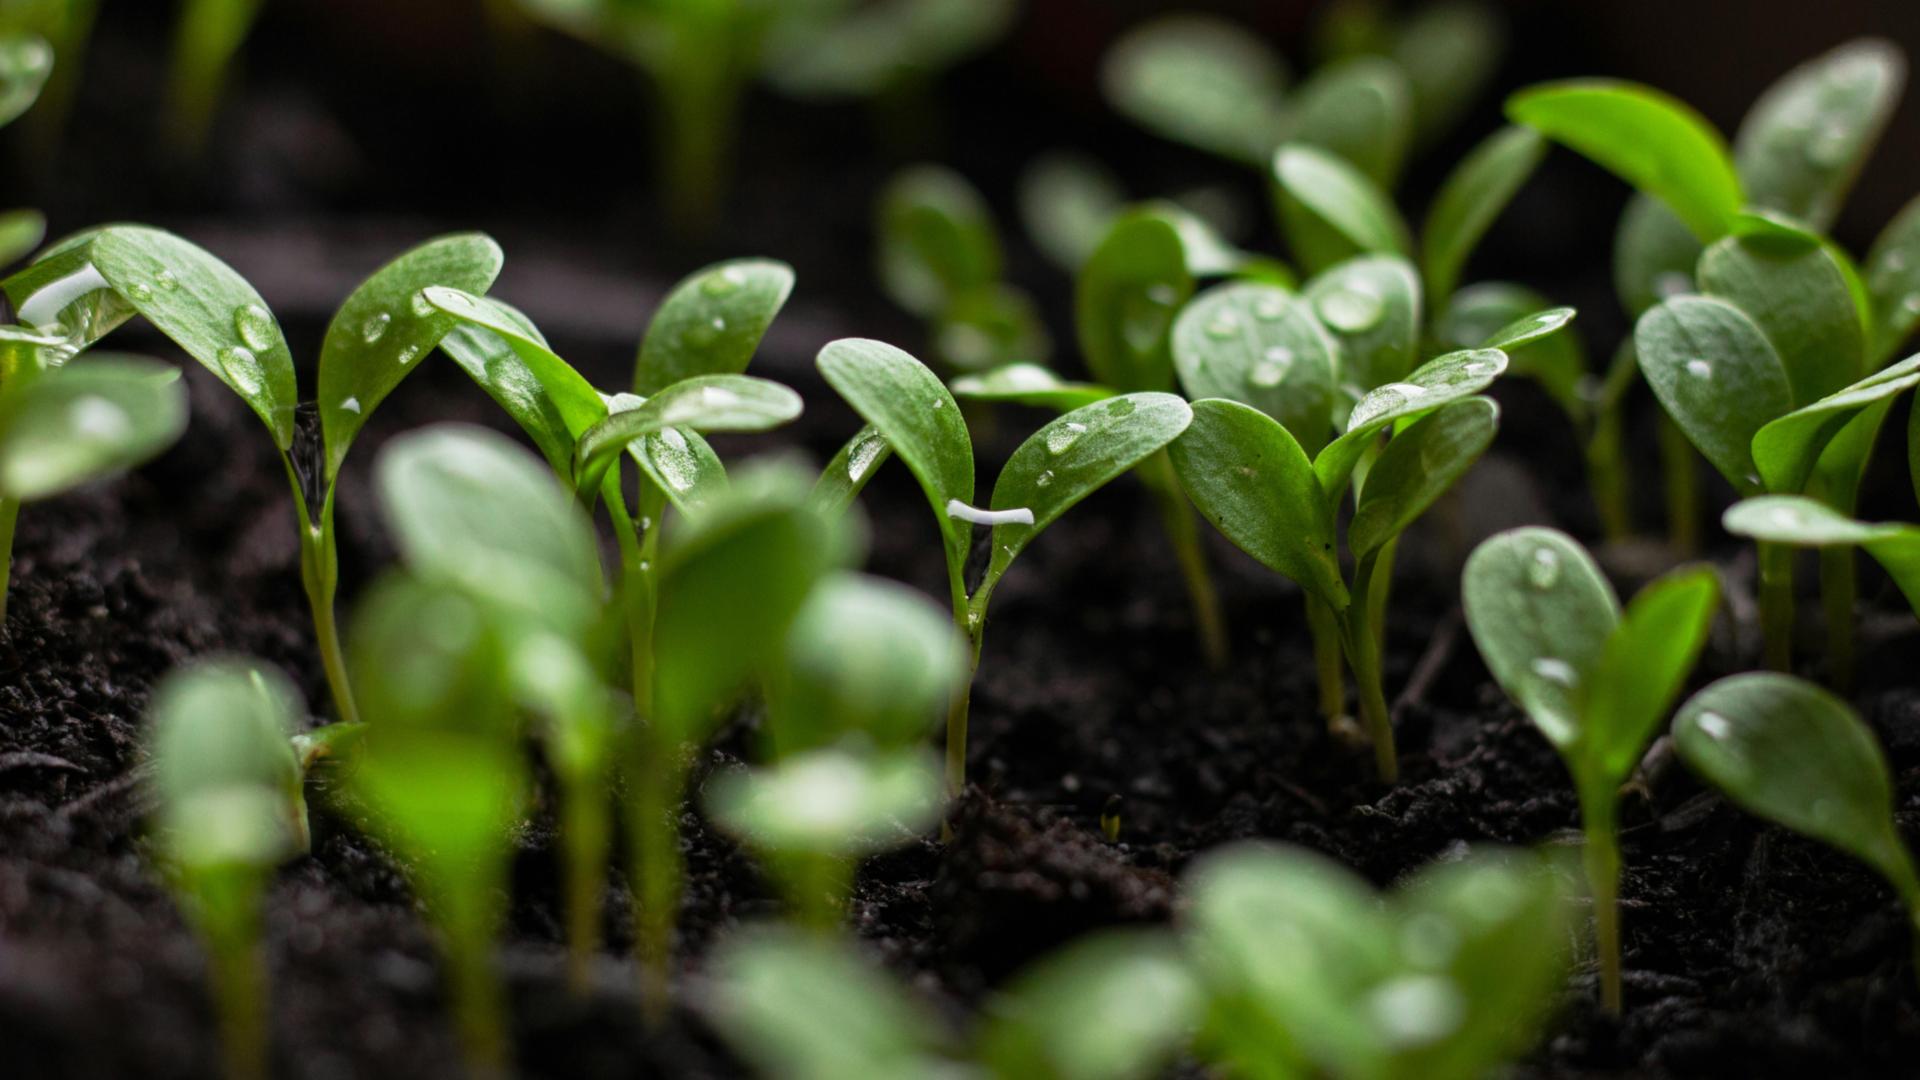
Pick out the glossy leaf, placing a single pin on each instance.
(1360, 109)
(1806, 139)
(386, 327)
(843, 478)
(1331, 211)
(1797, 520)
(1371, 306)
(86, 420)
(62, 294)
(1028, 384)
(1892, 276)
(1542, 614)
(1112, 1006)
(1717, 376)
(1440, 381)
(1261, 346)
(25, 63)
(1067, 204)
(702, 403)
(1250, 478)
(830, 802)
(711, 323)
(1797, 295)
(1654, 254)
(682, 466)
(1125, 301)
(1792, 753)
(1788, 449)
(1201, 81)
(1651, 140)
(1074, 456)
(1644, 667)
(914, 413)
(937, 240)
(223, 769)
(209, 311)
(1419, 465)
(1521, 323)
(1474, 194)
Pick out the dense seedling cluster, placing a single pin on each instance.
(567, 629)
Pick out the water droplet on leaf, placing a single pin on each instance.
(407, 355)
(1350, 310)
(1043, 479)
(242, 368)
(165, 281)
(255, 327)
(1544, 569)
(1700, 369)
(1062, 438)
(421, 305)
(375, 326)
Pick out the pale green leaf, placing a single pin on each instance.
(1201, 81)
(1125, 301)
(1654, 254)
(1028, 384)
(1067, 203)
(1893, 283)
(1360, 109)
(1114, 1005)
(1440, 381)
(1261, 346)
(1717, 376)
(1371, 306)
(1787, 449)
(223, 769)
(1797, 295)
(701, 403)
(86, 420)
(1474, 194)
(937, 240)
(1419, 465)
(1643, 668)
(844, 477)
(25, 62)
(1331, 211)
(1800, 521)
(711, 323)
(830, 802)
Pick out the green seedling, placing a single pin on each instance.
(60, 30)
(205, 41)
(229, 808)
(63, 427)
(1596, 682)
(1308, 972)
(1067, 204)
(26, 63)
(886, 51)
(1792, 753)
(1797, 521)
(1062, 463)
(1255, 481)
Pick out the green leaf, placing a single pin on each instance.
(1261, 346)
(25, 63)
(1114, 1005)
(1519, 322)
(1798, 296)
(811, 1007)
(1201, 81)
(1250, 478)
(224, 774)
(1654, 254)
(1788, 448)
(430, 655)
(1449, 51)
(1542, 615)
(682, 465)
(841, 481)
(1803, 143)
(701, 403)
(1474, 194)
(1371, 306)
(209, 311)
(1074, 456)
(1717, 376)
(1125, 300)
(1028, 384)
(914, 413)
(830, 802)
(1067, 203)
(711, 323)
(502, 351)
(1651, 140)
(992, 325)
(20, 232)
(1419, 465)
(61, 293)
(1893, 283)
(471, 508)
(871, 50)
(1643, 668)
(383, 329)
(937, 240)
(1360, 109)
(83, 421)
(1440, 381)
(1331, 211)
(1790, 752)
(1797, 520)
(868, 657)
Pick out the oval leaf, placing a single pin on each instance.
(937, 240)
(1261, 346)
(841, 481)
(1646, 662)
(1717, 376)
(1201, 81)
(25, 63)
(1440, 381)
(1360, 109)
(830, 802)
(1478, 189)
(711, 323)
(1028, 384)
(224, 773)
(1893, 284)
(1654, 254)
(1797, 294)
(1125, 300)
(1807, 137)
(1419, 465)
(1788, 449)
(1797, 520)
(702, 403)
(1331, 211)
(1371, 306)
(81, 422)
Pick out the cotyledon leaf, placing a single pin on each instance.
(1521, 323)
(386, 326)
(1717, 376)
(208, 310)
(1371, 307)
(1252, 481)
(1806, 138)
(1796, 293)
(1641, 671)
(25, 62)
(1787, 449)
(1125, 300)
(702, 403)
(1474, 194)
(66, 427)
(1893, 283)
(1028, 384)
(20, 232)
(1360, 108)
(1202, 81)
(711, 323)
(937, 240)
(843, 478)
(1259, 345)
(1417, 467)
(1654, 254)
(1439, 381)
(1798, 520)
(682, 464)
(1330, 208)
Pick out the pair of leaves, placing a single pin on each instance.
(1308, 970)
(1596, 682)
(1800, 521)
(65, 427)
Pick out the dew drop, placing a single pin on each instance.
(1910, 303)
(351, 405)
(375, 326)
(1556, 671)
(1043, 479)
(1223, 326)
(1272, 369)
(1714, 726)
(139, 293)
(1544, 569)
(722, 283)
(1270, 308)
(668, 451)
(1831, 147)
(1062, 438)
(863, 456)
(165, 281)
(421, 305)
(1671, 284)
(242, 368)
(98, 419)
(1120, 407)
(255, 327)
(407, 355)
(1350, 310)
(1700, 369)
(939, 403)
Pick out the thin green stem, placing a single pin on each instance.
(478, 1012)
(1380, 586)
(320, 575)
(820, 884)
(1776, 604)
(1363, 657)
(1838, 587)
(589, 829)
(1324, 625)
(1607, 472)
(1678, 462)
(655, 784)
(971, 618)
(1601, 854)
(9, 517)
(1184, 533)
(240, 986)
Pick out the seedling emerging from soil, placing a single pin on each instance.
(1257, 484)
(1596, 683)
(1797, 521)
(62, 427)
(229, 809)
(1308, 971)
(1792, 753)
(1056, 467)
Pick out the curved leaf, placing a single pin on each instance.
(1806, 138)
(1797, 520)
(1201, 81)
(1114, 1005)
(681, 465)
(1893, 284)
(992, 325)
(1360, 108)
(25, 62)
(711, 323)
(1518, 321)
(1028, 384)
(1125, 300)
(1440, 381)
(702, 403)
(1474, 194)
(1646, 662)
(1371, 306)
(1654, 254)
(385, 326)
(1798, 296)
(1649, 139)
(1261, 346)
(1419, 465)
(1717, 376)
(844, 477)
(103, 414)
(209, 311)
(937, 240)
(20, 232)
(1449, 51)
(1787, 449)
(1331, 211)
(224, 773)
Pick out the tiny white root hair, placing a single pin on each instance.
(958, 509)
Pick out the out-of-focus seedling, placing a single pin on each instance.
(1307, 971)
(1256, 482)
(1062, 463)
(206, 38)
(1792, 753)
(229, 808)
(1797, 521)
(1596, 682)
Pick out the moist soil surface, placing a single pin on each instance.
(1748, 951)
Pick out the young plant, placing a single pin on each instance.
(229, 808)
(1595, 681)
(1062, 463)
(1307, 971)
(63, 427)
(1258, 485)
(1797, 521)
(1792, 753)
